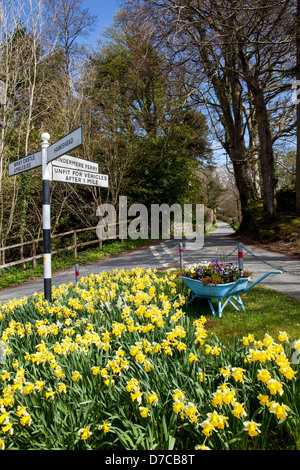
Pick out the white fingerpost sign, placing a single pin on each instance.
(68, 175)
(66, 161)
(65, 145)
(64, 168)
(25, 164)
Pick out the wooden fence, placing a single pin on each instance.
(34, 243)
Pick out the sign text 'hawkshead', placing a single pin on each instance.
(65, 145)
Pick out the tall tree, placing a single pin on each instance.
(68, 24)
(298, 109)
(237, 48)
(146, 131)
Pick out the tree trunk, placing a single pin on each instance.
(298, 110)
(264, 134)
(233, 123)
(266, 150)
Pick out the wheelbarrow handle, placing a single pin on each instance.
(260, 279)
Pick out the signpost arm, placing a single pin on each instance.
(46, 219)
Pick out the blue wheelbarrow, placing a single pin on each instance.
(229, 292)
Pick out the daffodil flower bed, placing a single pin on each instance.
(115, 363)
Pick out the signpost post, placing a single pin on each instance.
(58, 166)
(46, 219)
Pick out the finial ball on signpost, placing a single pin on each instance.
(45, 137)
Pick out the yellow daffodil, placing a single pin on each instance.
(4, 418)
(202, 447)
(28, 389)
(238, 374)
(252, 428)
(178, 406)
(152, 398)
(21, 410)
(84, 433)
(178, 395)
(96, 370)
(192, 358)
(5, 376)
(207, 428)
(283, 336)
(8, 428)
(25, 420)
(248, 339)
(239, 411)
(144, 412)
(280, 410)
(217, 399)
(137, 395)
(76, 376)
(50, 394)
(264, 375)
(275, 387)
(225, 372)
(132, 384)
(105, 427)
(62, 388)
(228, 396)
(288, 372)
(263, 399)
(39, 385)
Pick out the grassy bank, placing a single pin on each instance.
(266, 311)
(283, 226)
(17, 274)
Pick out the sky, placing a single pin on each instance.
(105, 10)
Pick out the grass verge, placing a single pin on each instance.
(266, 311)
(17, 275)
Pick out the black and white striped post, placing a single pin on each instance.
(46, 219)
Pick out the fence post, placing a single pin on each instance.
(241, 256)
(33, 254)
(181, 255)
(75, 244)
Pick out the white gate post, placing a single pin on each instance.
(46, 219)
(181, 255)
(241, 256)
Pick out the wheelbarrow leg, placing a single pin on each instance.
(238, 299)
(192, 297)
(220, 307)
(212, 307)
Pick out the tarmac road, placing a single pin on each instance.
(165, 255)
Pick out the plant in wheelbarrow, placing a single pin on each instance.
(215, 272)
(220, 281)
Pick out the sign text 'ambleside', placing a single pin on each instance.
(25, 164)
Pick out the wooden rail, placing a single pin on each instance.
(74, 246)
